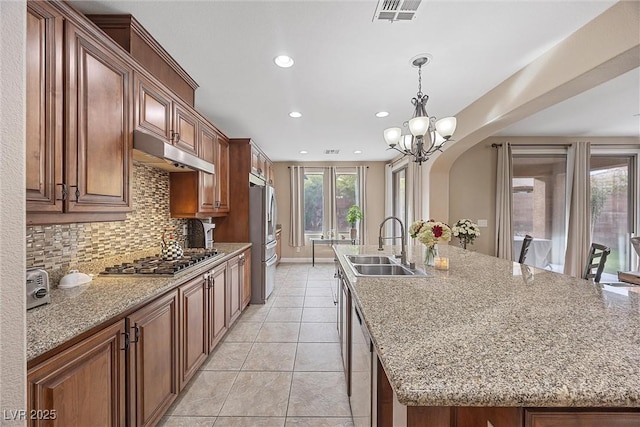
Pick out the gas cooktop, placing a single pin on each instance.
(156, 266)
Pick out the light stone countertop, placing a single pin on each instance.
(74, 311)
(485, 334)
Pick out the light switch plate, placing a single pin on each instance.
(482, 223)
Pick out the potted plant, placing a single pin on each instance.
(354, 214)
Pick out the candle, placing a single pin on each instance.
(442, 263)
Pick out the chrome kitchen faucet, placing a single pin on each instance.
(403, 252)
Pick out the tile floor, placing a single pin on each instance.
(279, 365)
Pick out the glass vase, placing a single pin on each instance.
(430, 254)
(463, 243)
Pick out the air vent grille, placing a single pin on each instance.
(331, 151)
(396, 10)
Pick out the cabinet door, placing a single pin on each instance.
(217, 305)
(193, 327)
(44, 70)
(235, 286)
(84, 384)
(98, 124)
(246, 277)
(152, 108)
(270, 177)
(484, 416)
(207, 181)
(345, 329)
(153, 364)
(186, 127)
(595, 418)
(255, 161)
(222, 174)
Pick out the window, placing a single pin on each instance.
(399, 199)
(313, 202)
(539, 207)
(612, 202)
(345, 198)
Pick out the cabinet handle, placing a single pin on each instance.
(259, 171)
(64, 191)
(175, 137)
(77, 192)
(126, 341)
(137, 333)
(217, 203)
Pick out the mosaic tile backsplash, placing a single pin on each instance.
(58, 248)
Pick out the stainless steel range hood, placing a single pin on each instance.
(160, 154)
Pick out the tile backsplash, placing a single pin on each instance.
(58, 248)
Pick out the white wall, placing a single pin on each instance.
(12, 208)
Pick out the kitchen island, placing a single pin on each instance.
(490, 333)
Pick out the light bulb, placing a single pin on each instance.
(419, 126)
(392, 136)
(446, 127)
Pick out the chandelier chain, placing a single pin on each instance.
(419, 81)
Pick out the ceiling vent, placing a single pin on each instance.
(396, 10)
(332, 151)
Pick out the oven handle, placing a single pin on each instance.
(271, 260)
(272, 244)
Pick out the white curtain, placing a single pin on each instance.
(504, 202)
(579, 198)
(330, 208)
(361, 191)
(296, 236)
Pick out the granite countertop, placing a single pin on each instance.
(490, 332)
(74, 311)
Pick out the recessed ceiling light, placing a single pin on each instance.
(357, 152)
(283, 61)
(295, 114)
(304, 152)
(382, 114)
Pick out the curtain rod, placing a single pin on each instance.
(289, 167)
(494, 145)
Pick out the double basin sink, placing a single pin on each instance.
(377, 265)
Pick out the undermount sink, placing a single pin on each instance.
(369, 259)
(376, 265)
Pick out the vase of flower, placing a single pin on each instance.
(430, 254)
(466, 231)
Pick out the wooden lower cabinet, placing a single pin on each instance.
(246, 277)
(217, 313)
(153, 365)
(582, 418)
(83, 385)
(235, 288)
(194, 344)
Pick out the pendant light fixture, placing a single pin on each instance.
(428, 134)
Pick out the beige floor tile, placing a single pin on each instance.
(284, 314)
(318, 283)
(318, 302)
(243, 332)
(268, 356)
(319, 314)
(255, 313)
(227, 356)
(278, 332)
(291, 285)
(319, 292)
(316, 357)
(288, 301)
(250, 422)
(205, 394)
(258, 394)
(319, 394)
(186, 422)
(318, 422)
(292, 292)
(318, 332)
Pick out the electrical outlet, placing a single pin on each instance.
(482, 223)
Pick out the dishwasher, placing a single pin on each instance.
(362, 371)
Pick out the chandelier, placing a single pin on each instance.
(428, 135)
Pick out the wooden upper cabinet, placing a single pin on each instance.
(222, 174)
(91, 372)
(256, 161)
(98, 126)
(153, 108)
(44, 84)
(185, 128)
(207, 187)
(270, 175)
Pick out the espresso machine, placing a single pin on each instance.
(200, 233)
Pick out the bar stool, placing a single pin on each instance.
(525, 248)
(597, 258)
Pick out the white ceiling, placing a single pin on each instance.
(347, 67)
